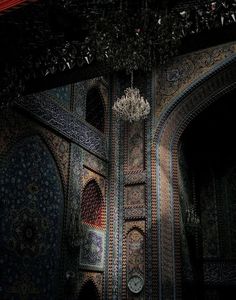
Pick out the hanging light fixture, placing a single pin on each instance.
(131, 106)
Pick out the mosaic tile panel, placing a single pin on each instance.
(165, 168)
(135, 258)
(62, 95)
(31, 222)
(64, 122)
(132, 213)
(92, 250)
(60, 149)
(14, 124)
(173, 78)
(89, 175)
(95, 164)
(135, 252)
(91, 206)
(135, 146)
(135, 195)
(135, 177)
(72, 236)
(210, 235)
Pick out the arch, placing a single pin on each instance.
(135, 227)
(135, 241)
(31, 208)
(95, 109)
(33, 132)
(166, 210)
(92, 206)
(89, 291)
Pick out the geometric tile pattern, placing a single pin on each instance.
(91, 206)
(135, 252)
(166, 212)
(64, 122)
(135, 259)
(31, 200)
(135, 146)
(62, 95)
(135, 195)
(92, 250)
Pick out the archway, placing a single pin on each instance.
(207, 197)
(89, 291)
(32, 204)
(165, 187)
(95, 110)
(92, 209)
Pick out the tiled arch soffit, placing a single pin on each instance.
(172, 122)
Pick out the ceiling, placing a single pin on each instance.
(36, 38)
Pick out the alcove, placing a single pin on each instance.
(207, 184)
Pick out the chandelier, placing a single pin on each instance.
(131, 106)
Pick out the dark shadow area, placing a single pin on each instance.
(208, 200)
(89, 291)
(95, 109)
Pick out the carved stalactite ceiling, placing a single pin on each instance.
(50, 38)
(91, 207)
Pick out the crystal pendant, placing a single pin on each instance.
(131, 106)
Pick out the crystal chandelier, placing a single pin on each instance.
(131, 106)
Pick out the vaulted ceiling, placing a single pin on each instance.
(47, 40)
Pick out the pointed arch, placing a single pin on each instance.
(135, 250)
(92, 206)
(166, 211)
(27, 133)
(32, 205)
(89, 291)
(95, 109)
